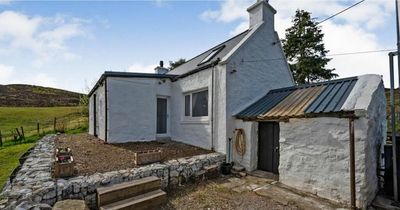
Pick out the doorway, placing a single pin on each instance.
(161, 115)
(268, 146)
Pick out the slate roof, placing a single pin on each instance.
(300, 101)
(196, 62)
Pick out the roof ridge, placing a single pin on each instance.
(313, 84)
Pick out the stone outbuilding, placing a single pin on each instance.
(301, 135)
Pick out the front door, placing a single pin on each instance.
(268, 146)
(161, 115)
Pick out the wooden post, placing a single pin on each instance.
(19, 134)
(22, 132)
(1, 140)
(55, 124)
(38, 128)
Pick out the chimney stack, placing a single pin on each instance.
(160, 69)
(261, 12)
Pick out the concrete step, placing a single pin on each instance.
(150, 200)
(118, 192)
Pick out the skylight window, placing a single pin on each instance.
(211, 55)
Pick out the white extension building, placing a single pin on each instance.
(244, 86)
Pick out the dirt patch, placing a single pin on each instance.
(212, 195)
(92, 155)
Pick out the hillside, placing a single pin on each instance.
(36, 96)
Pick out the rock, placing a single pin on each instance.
(70, 204)
(237, 168)
(42, 206)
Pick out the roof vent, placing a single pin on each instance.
(160, 69)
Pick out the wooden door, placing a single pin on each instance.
(268, 146)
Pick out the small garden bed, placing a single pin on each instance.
(92, 155)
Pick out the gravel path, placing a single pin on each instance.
(92, 155)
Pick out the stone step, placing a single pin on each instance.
(150, 200)
(118, 192)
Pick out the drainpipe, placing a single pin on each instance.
(212, 107)
(393, 125)
(106, 110)
(352, 165)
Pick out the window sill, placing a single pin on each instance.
(200, 120)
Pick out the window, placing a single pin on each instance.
(196, 104)
(211, 55)
(187, 105)
(200, 104)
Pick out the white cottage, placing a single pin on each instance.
(196, 102)
(299, 134)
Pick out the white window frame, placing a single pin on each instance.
(190, 118)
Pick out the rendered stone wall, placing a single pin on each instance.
(34, 186)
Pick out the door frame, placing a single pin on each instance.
(167, 133)
(275, 148)
(94, 115)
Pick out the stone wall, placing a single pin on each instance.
(34, 186)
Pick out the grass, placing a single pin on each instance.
(28, 117)
(9, 159)
(70, 118)
(11, 152)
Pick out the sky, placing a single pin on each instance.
(69, 44)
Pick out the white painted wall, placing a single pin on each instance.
(133, 107)
(194, 131)
(250, 158)
(319, 163)
(100, 112)
(252, 80)
(314, 152)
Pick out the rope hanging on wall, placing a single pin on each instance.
(240, 143)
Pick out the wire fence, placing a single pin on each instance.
(51, 125)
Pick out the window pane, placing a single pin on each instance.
(187, 105)
(200, 104)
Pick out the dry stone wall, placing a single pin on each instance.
(34, 187)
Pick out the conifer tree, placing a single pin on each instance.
(305, 50)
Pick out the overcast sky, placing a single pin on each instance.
(69, 44)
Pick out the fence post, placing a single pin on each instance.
(1, 140)
(19, 134)
(23, 134)
(55, 124)
(38, 128)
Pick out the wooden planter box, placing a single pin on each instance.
(147, 157)
(64, 164)
(64, 169)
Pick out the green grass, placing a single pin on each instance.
(9, 159)
(71, 118)
(28, 117)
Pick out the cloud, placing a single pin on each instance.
(5, 1)
(45, 37)
(231, 10)
(352, 31)
(142, 68)
(8, 76)
(5, 73)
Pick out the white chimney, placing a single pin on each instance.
(260, 12)
(160, 69)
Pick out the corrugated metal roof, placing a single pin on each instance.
(264, 104)
(298, 101)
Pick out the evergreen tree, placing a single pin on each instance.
(305, 50)
(174, 64)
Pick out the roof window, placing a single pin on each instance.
(211, 55)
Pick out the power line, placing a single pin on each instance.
(361, 52)
(332, 16)
(331, 55)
